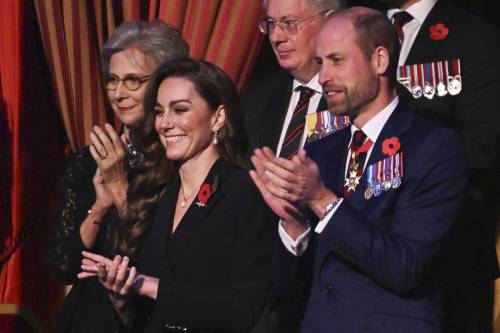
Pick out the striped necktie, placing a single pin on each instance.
(295, 129)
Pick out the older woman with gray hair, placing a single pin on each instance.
(95, 183)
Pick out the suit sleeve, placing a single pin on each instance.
(237, 307)
(399, 253)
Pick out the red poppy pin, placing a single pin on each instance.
(206, 191)
(204, 194)
(438, 31)
(391, 146)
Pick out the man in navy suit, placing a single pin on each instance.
(270, 108)
(386, 191)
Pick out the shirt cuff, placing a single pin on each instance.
(323, 222)
(298, 246)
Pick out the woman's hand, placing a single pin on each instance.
(103, 197)
(114, 275)
(109, 152)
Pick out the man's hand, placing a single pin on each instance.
(296, 181)
(294, 221)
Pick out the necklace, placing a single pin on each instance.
(186, 198)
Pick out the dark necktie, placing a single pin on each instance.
(399, 20)
(295, 129)
(357, 156)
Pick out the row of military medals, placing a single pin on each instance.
(384, 175)
(436, 78)
(322, 124)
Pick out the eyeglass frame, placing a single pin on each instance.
(296, 23)
(140, 80)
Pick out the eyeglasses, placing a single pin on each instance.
(288, 26)
(131, 82)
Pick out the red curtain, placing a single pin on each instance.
(223, 32)
(11, 14)
(220, 31)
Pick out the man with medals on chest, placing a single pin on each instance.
(448, 71)
(275, 110)
(369, 209)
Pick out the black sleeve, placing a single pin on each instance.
(76, 197)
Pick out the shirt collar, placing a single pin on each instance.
(312, 84)
(374, 126)
(418, 10)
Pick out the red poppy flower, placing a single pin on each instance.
(391, 146)
(204, 194)
(438, 31)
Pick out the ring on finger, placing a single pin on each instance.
(103, 156)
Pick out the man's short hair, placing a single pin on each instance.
(319, 5)
(373, 30)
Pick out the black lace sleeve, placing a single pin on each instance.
(77, 196)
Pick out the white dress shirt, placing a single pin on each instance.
(419, 11)
(372, 130)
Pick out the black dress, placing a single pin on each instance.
(87, 307)
(215, 269)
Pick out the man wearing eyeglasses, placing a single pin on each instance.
(275, 109)
(269, 105)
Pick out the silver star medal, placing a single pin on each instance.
(352, 181)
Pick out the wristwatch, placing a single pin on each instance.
(331, 206)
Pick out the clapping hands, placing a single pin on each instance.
(115, 275)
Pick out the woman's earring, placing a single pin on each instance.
(215, 139)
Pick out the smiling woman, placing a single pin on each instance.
(205, 260)
(96, 178)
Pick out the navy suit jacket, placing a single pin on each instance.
(377, 263)
(475, 115)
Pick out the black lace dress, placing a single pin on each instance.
(87, 307)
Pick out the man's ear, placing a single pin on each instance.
(219, 118)
(380, 60)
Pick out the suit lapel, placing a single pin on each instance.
(330, 154)
(396, 125)
(196, 215)
(338, 169)
(322, 105)
(424, 47)
(272, 122)
(155, 245)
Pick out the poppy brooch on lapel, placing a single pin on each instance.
(205, 192)
(438, 31)
(391, 146)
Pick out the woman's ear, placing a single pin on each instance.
(219, 118)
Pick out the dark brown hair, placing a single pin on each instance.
(149, 184)
(373, 30)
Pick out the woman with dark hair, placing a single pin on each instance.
(205, 263)
(96, 178)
